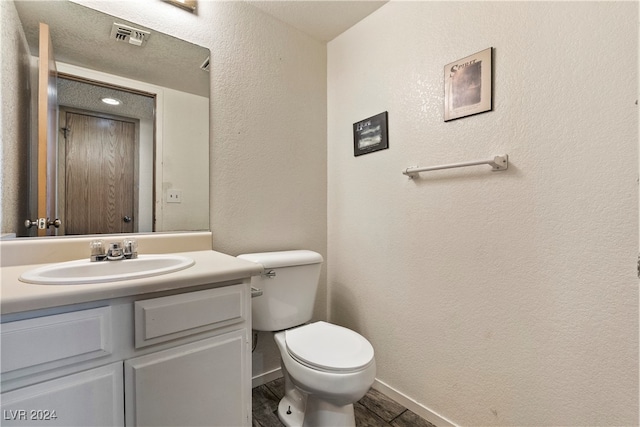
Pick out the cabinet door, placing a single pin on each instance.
(204, 383)
(89, 398)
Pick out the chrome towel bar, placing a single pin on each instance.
(498, 163)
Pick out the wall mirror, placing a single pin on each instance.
(162, 86)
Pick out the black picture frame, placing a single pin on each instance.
(371, 134)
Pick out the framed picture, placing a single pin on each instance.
(370, 135)
(468, 85)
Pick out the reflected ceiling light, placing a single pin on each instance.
(111, 101)
(189, 5)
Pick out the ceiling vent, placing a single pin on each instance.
(127, 34)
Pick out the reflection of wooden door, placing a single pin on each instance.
(47, 129)
(99, 182)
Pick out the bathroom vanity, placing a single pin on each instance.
(167, 350)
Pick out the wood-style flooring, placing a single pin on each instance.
(373, 410)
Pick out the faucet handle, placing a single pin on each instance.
(130, 248)
(97, 250)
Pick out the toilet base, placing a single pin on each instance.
(298, 409)
(290, 412)
(317, 413)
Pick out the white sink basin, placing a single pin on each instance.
(84, 271)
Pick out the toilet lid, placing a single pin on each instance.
(329, 347)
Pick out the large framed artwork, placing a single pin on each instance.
(468, 85)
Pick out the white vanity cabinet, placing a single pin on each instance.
(196, 384)
(171, 358)
(88, 398)
(40, 345)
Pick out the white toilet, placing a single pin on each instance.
(326, 367)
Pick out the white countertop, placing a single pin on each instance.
(210, 267)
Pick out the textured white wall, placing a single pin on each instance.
(505, 298)
(269, 153)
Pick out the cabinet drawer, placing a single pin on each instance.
(166, 318)
(53, 341)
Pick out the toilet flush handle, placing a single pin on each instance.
(255, 292)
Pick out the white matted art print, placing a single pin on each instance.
(467, 85)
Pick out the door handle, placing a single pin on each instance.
(42, 223)
(127, 218)
(56, 223)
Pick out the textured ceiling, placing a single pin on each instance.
(322, 20)
(88, 97)
(81, 36)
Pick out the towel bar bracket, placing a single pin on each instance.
(499, 163)
(410, 172)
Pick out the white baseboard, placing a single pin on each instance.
(412, 405)
(266, 377)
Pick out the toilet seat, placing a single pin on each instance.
(327, 347)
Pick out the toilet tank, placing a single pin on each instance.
(289, 284)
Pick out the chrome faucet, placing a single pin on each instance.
(115, 252)
(128, 249)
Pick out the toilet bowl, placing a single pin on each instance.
(326, 367)
(330, 368)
